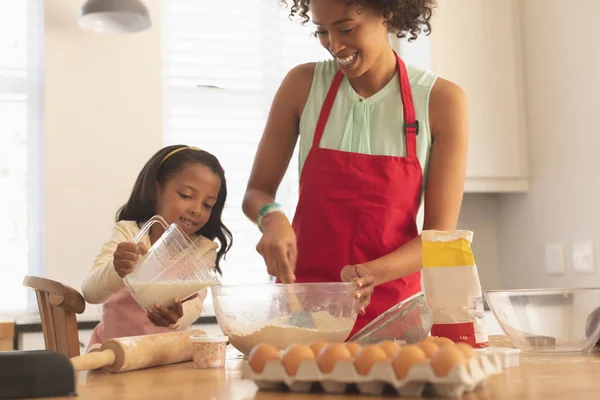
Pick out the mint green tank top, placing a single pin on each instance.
(369, 126)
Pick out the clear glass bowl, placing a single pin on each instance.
(408, 321)
(282, 314)
(548, 320)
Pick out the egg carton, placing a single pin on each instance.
(508, 356)
(419, 381)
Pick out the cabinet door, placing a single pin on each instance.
(476, 44)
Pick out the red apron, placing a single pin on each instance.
(354, 208)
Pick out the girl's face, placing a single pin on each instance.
(353, 34)
(187, 198)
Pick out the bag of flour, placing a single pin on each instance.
(452, 287)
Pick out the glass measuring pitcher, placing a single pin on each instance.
(171, 268)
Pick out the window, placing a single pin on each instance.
(21, 249)
(223, 60)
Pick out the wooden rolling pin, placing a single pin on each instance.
(138, 352)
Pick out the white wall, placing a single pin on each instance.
(562, 85)
(479, 214)
(102, 122)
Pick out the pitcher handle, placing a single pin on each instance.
(148, 225)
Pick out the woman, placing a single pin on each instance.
(382, 153)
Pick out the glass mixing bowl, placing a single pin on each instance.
(548, 320)
(284, 314)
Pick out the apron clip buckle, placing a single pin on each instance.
(411, 128)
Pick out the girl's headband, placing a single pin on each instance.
(176, 151)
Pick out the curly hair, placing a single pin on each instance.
(403, 17)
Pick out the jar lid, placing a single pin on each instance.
(209, 338)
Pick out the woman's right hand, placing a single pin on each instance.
(278, 247)
(126, 257)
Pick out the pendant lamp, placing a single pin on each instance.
(114, 16)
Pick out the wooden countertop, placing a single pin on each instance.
(543, 377)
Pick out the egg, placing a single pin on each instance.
(260, 355)
(330, 355)
(353, 347)
(445, 359)
(429, 347)
(294, 355)
(317, 346)
(467, 350)
(406, 357)
(367, 357)
(390, 347)
(443, 341)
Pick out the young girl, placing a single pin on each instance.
(185, 186)
(382, 154)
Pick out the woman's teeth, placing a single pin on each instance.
(347, 60)
(185, 221)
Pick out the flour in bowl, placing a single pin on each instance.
(275, 331)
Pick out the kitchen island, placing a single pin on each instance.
(539, 377)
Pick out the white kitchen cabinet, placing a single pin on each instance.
(477, 45)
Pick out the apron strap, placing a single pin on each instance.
(411, 125)
(326, 109)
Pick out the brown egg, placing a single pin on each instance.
(367, 357)
(390, 347)
(294, 355)
(353, 347)
(330, 355)
(443, 341)
(317, 346)
(445, 359)
(406, 357)
(429, 347)
(467, 350)
(260, 355)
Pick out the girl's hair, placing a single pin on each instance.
(142, 203)
(403, 17)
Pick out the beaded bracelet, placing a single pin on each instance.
(266, 210)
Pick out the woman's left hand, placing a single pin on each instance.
(364, 281)
(162, 316)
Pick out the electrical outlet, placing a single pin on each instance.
(583, 257)
(555, 259)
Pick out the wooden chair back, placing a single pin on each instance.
(58, 305)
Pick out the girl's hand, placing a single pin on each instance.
(162, 316)
(364, 282)
(278, 247)
(126, 257)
